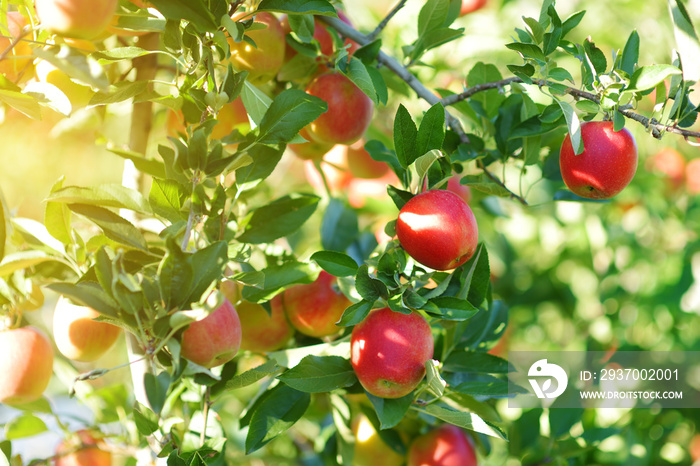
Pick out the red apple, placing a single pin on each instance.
(447, 445)
(470, 6)
(692, 176)
(438, 229)
(606, 165)
(78, 336)
(388, 351)
(82, 450)
(26, 365)
(314, 308)
(214, 340)
(262, 332)
(462, 190)
(349, 110)
(310, 150)
(370, 449)
(671, 163)
(20, 57)
(264, 60)
(361, 164)
(81, 19)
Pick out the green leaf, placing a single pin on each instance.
(465, 420)
(319, 374)
(492, 389)
(475, 363)
(357, 72)
(276, 278)
(369, 288)
(562, 420)
(340, 226)
(118, 54)
(485, 185)
(255, 101)
(573, 124)
(571, 22)
(405, 137)
(113, 226)
(492, 99)
(23, 103)
(208, 264)
(355, 314)
(528, 50)
(88, 294)
(432, 16)
(596, 56)
(265, 159)
(57, 218)
(282, 407)
(630, 54)
(335, 263)
(145, 419)
(175, 276)
(26, 425)
(193, 11)
(23, 260)
(156, 389)
(111, 195)
(249, 377)
(431, 133)
(390, 411)
(314, 7)
(167, 199)
(452, 308)
(119, 92)
(647, 77)
(399, 196)
(288, 113)
(435, 383)
(279, 218)
(148, 166)
(686, 40)
(424, 162)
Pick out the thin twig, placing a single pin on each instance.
(380, 27)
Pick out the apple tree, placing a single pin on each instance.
(327, 230)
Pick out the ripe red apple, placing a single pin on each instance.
(462, 190)
(264, 60)
(81, 19)
(310, 150)
(370, 449)
(438, 229)
(78, 336)
(20, 56)
(447, 445)
(606, 165)
(314, 308)
(26, 365)
(82, 450)
(361, 164)
(262, 332)
(214, 340)
(349, 110)
(470, 6)
(388, 351)
(692, 176)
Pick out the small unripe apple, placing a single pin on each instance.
(265, 59)
(82, 450)
(20, 57)
(26, 365)
(606, 165)
(370, 449)
(81, 19)
(349, 110)
(313, 309)
(447, 445)
(438, 229)
(78, 336)
(470, 6)
(388, 351)
(214, 340)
